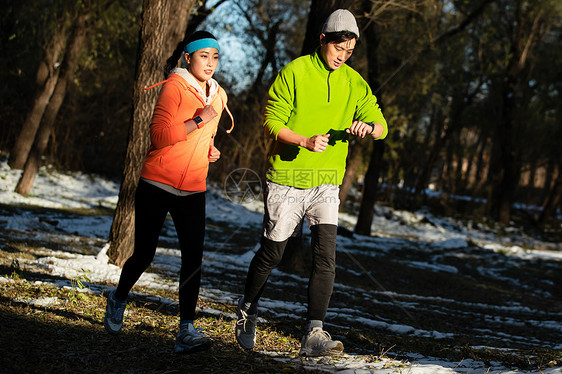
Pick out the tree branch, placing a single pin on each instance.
(461, 26)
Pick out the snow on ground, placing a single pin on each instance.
(393, 229)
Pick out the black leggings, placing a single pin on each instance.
(152, 204)
(322, 275)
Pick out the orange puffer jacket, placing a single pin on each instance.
(174, 157)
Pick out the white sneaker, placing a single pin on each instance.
(246, 328)
(113, 319)
(318, 342)
(190, 339)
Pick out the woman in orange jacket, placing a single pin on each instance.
(173, 180)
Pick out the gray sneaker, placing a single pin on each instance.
(113, 320)
(191, 340)
(246, 328)
(318, 342)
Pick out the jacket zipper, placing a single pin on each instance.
(184, 173)
(328, 81)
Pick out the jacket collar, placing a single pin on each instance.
(319, 63)
(190, 80)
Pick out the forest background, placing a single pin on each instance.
(470, 89)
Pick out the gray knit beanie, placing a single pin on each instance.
(341, 20)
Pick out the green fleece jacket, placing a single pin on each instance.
(311, 99)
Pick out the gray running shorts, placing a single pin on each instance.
(286, 206)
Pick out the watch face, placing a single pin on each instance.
(198, 121)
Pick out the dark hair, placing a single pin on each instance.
(172, 61)
(339, 37)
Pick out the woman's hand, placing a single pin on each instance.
(208, 113)
(214, 154)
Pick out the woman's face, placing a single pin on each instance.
(203, 63)
(335, 55)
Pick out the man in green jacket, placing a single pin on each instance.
(314, 105)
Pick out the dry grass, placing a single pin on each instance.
(68, 336)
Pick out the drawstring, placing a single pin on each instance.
(156, 84)
(231, 117)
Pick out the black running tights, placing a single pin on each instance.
(322, 274)
(152, 204)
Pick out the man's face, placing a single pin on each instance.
(335, 55)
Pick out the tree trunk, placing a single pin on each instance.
(46, 80)
(553, 200)
(474, 178)
(369, 198)
(480, 165)
(507, 179)
(454, 126)
(354, 160)
(151, 58)
(370, 187)
(423, 178)
(319, 11)
(366, 211)
(503, 171)
(468, 172)
(448, 170)
(180, 11)
(268, 60)
(71, 59)
(545, 191)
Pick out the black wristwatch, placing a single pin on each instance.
(199, 121)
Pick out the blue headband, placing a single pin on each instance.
(200, 44)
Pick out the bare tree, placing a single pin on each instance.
(506, 166)
(553, 200)
(460, 102)
(201, 12)
(319, 11)
(71, 60)
(160, 31)
(366, 212)
(46, 80)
